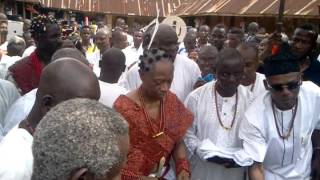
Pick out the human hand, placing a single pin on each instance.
(183, 175)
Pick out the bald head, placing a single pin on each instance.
(228, 55)
(112, 65)
(119, 39)
(66, 79)
(70, 53)
(166, 39)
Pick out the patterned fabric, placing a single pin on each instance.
(145, 151)
(26, 73)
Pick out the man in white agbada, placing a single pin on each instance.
(60, 80)
(112, 65)
(218, 107)
(186, 71)
(103, 43)
(132, 52)
(277, 128)
(252, 80)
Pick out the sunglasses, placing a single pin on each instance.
(280, 87)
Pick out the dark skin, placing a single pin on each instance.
(251, 61)
(229, 74)
(102, 41)
(155, 84)
(85, 36)
(301, 41)
(3, 31)
(60, 81)
(233, 40)
(203, 35)
(119, 40)
(166, 39)
(218, 37)
(28, 39)
(285, 99)
(137, 39)
(112, 65)
(48, 42)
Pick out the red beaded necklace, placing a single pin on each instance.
(162, 116)
(218, 114)
(291, 121)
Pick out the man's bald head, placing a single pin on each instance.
(66, 79)
(165, 39)
(119, 39)
(70, 53)
(112, 65)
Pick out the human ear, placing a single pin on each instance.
(47, 102)
(81, 174)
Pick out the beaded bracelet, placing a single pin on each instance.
(182, 164)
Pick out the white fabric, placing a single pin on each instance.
(110, 92)
(130, 40)
(207, 150)
(18, 111)
(132, 55)
(258, 86)
(28, 51)
(288, 159)
(182, 50)
(8, 95)
(94, 59)
(5, 63)
(16, 159)
(3, 46)
(206, 126)
(186, 74)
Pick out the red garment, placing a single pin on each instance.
(145, 151)
(27, 72)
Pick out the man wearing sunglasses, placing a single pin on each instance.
(277, 128)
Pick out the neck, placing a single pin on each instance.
(147, 98)
(86, 43)
(44, 56)
(202, 41)
(249, 80)
(224, 92)
(109, 78)
(33, 119)
(136, 46)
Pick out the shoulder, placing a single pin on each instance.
(202, 90)
(183, 61)
(20, 65)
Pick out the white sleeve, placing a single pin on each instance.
(130, 79)
(253, 141)
(191, 140)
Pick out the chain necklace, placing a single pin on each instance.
(162, 116)
(286, 136)
(218, 114)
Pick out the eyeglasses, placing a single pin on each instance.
(280, 87)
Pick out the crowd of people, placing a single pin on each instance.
(113, 103)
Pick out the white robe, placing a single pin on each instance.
(131, 54)
(5, 63)
(206, 127)
(186, 74)
(16, 159)
(8, 95)
(257, 88)
(282, 159)
(19, 111)
(110, 92)
(94, 59)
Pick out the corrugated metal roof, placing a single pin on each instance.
(123, 7)
(29, 1)
(307, 8)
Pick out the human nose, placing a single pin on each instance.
(165, 87)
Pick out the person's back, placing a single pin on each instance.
(62, 150)
(61, 80)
